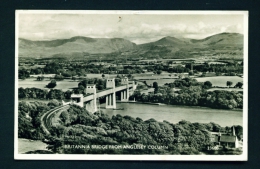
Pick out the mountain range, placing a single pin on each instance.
(78, 46)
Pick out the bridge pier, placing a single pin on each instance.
(125, 95)
(111, 98)
(111, 101)
(91, 106)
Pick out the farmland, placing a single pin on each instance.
(68, 84)
(160, 81)
(64, 85)
(226, 89)
(26, 145)
(221, 81)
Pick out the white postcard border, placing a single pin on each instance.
(243, 157)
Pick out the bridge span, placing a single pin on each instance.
(89, 101)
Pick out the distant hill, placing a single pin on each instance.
(224, 44)
(220, 39)
(74, 45)
(167, 47)
(166, 41)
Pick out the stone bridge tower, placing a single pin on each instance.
(125, 93)
(91, 106)
(111, 98)
(77, 99)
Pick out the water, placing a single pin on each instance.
(174, 114)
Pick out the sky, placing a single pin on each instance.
(138, 28)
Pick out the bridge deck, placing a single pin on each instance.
(107, 92)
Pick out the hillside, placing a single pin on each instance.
(73, 46)
(220, 39)
(223, 44)
(166, 41)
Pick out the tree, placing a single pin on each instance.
(171, 85)
(64, 116)
(95, 70)
(66, 74)
(207, 84)
(203, 74)
(22, 93)
(129, 76)
(239, 84)
(52, 84)
(40, 78)
(229, 83)
(58, 77)
(103, 76)
(159, 72)
(53, 103)
(23, 74)
(155, 86)
(239, 131)
(67, 94)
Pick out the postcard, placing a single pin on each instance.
(131, 85)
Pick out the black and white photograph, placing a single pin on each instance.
(131, 85)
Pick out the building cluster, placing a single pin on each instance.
(225, 140)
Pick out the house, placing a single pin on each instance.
(229, 141)
(223, 139)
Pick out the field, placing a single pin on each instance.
(63, 85)
(68, 84)
(160, 82)
(221, 81)
(25, 145)
(151, 75)
(226, 89)
(31, 67)
(45, 75)
(147, 91)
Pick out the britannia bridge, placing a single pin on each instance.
(90, 102)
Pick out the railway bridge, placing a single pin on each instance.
(89, 101)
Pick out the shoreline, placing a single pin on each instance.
(137, 102)
(184, 106)
(150, 103)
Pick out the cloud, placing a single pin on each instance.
(139, 30)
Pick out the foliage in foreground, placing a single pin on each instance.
(82, 128)
(79, 127)
(29, 115)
